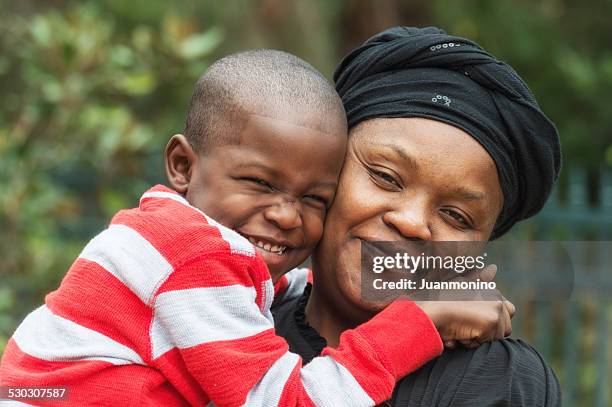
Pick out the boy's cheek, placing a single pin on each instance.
(314, 230)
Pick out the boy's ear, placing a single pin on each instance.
(179, 160)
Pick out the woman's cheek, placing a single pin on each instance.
(358, 193)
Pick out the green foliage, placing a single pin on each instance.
(91, 91)
(559, 48)
(89, 103)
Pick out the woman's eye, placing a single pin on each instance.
(457, 216)
(387, 178)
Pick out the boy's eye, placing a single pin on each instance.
(385, 177)
(457, 216)
(259, 182)
(318, 199)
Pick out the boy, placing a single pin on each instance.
(168, 307)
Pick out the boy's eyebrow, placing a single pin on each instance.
(258, 165)
(274, 172)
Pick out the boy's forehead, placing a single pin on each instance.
(327, 122)
(284, 128)
(283, 142)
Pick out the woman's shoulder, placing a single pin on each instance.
(508, 372)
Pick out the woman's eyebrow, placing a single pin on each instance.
(462, 192)
(468, 194)
(405, 157)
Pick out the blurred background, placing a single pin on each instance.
(92, 90)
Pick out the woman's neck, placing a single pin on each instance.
(325, 318)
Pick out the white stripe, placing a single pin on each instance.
(130, 257)
(238, 243)
(328, 383)
(190, 317)
(13, 403)
(297, 280)
(50, 337)
(268, 390)
(161, 342)
(268, 294)
(162, 194)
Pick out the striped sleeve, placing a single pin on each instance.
(231, 350)
(166, 305)
(214, 309)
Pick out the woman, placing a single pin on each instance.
(446, 143)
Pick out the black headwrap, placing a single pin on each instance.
(412, 72)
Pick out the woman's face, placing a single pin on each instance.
(403, 179)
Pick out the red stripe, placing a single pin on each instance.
(294, 388)
(212, 270)
(309, 278)
(94, 298)
(177, 232)
(89, 382)
(281, 285)
(173, 368)
(247, 360)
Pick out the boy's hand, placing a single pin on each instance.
(472, 323)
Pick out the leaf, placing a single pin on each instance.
(7, 299)
(41, 31)
(199, 45)
(138, 83)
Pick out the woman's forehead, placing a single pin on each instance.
(430, 151)
(423, 139)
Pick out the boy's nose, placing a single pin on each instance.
(285, 215)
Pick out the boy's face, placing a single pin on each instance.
(273, 186)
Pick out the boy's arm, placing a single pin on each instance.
(215, 311)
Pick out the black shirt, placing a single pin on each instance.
(500, 373)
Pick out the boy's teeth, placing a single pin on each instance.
(267, 246)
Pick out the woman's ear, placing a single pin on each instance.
(180, 159)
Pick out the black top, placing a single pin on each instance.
(501, 373)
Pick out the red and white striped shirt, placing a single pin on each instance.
(167, 307)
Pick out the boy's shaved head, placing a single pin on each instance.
(262, 82)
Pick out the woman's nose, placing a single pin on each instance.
(285, 215)
(410, 222)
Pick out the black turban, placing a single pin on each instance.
(412, 72)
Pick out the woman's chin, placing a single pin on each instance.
(365, 308)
